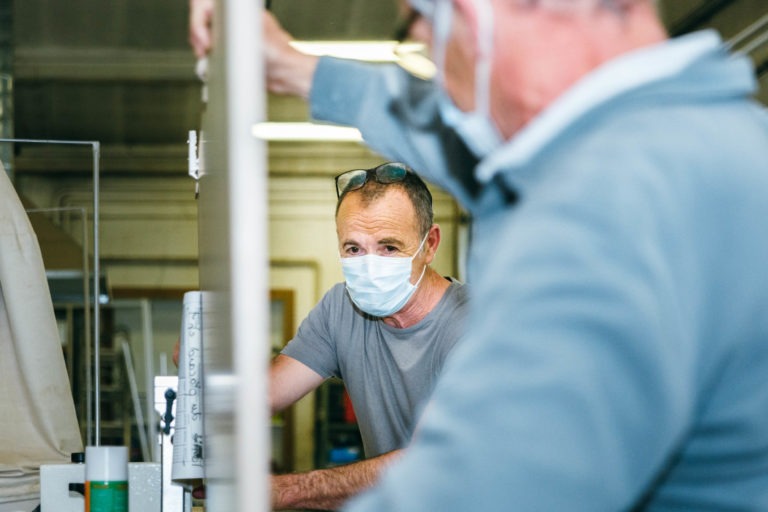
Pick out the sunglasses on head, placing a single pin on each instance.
(391, 172)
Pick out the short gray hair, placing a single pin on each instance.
(414, 187)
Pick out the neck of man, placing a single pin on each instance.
(424, 300)
(588, 41)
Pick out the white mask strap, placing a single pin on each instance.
(485, 57)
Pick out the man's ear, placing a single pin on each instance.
(433, 242)
(468, 11)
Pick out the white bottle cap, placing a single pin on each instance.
(106, 464)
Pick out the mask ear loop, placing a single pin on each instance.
(442, 30)
(442, 25)
(420, 277)
(421, 245)
(424, 271)
(485, 57)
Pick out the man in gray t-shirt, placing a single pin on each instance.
(386, 331)
(388, 371)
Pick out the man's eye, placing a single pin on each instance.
(353, 250)
(390, 248)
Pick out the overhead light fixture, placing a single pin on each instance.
(372, 51)
(369, 51)
(412, 56)
(307, 132)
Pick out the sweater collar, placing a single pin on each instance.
(630, 72)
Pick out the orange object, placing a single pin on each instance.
(349, 410)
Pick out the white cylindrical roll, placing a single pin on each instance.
(106, 463)
(188, 436)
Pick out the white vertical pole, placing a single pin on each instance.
(149, 377)
(249, 252)
(96, 149)
(232, 215)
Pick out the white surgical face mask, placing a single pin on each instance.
(380, 285)
(476, 128)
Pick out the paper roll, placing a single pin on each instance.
(188, 456)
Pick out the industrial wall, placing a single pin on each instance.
(149, 240)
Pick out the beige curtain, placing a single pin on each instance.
(37, 414)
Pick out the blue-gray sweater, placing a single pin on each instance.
(617, 347)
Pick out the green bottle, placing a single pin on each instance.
(106, 479)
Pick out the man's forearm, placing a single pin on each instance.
(327, 489)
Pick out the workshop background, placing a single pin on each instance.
(121, 73)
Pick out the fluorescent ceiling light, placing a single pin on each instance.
(372, 51)
(413, 57)
(305, 132)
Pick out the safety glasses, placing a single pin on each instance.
(391, 172)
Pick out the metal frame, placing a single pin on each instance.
(93, 404)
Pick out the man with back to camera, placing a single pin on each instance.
(617, 336)
(386, 331)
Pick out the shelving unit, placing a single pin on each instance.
(337, 436)
(118, 424)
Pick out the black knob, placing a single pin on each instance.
(170, 396)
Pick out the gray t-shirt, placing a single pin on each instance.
(388, 372)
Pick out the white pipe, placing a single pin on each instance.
(128, 358)
(748, 32)
(96, 296)
(149, 373)
(248, 250)
(233, 265)
(755, 43)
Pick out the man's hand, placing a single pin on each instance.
(200, 26)
(176, 350)
(288, 71)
